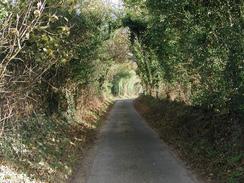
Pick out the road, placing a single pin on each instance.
(128, 151)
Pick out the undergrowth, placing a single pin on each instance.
(47, 147)
(212, 143)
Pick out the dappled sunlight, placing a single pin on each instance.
(8, 175)
(50, 146)
(63, 63)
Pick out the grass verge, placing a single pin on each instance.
(46, 148)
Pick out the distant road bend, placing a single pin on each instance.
(128, 151)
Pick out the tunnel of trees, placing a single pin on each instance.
(61, 62)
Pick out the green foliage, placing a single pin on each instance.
(62, 47)
(125, 81)
(49, 71)
(148, 67)
(3, 11)
(192, 52)
(198, 45)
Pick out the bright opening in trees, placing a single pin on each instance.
(63, 62)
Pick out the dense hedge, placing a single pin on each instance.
(57, 67)
(51, 48)
(194, 48)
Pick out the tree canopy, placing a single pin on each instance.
(195, 46)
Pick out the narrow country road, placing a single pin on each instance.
(128, 151)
